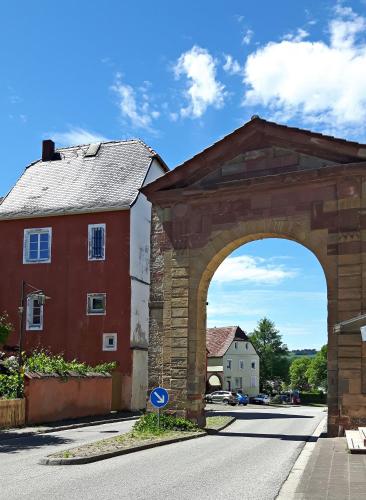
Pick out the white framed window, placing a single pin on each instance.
(96, 242)
(253, 364)
(235, 345)
(228, 364)
(109, 342)
(253, 381)
(247, 346)
(96, 304)
(238, 382)
(241, 364)
(34, 314)
(228, 382)
(37, 245)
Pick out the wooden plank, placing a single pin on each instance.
(12, 412)
(362, 431)
(354, 442)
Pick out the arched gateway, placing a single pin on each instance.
(263, 180)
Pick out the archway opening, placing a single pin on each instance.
(270, 290)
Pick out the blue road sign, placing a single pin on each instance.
(159, 397)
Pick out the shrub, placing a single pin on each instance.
(44, 362)
(149, 423)
(9, 386)
(277, 400)
(5, 327)
(313, 397)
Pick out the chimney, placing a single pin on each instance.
(48, 150)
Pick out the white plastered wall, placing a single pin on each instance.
(140, 228)
(246, 352)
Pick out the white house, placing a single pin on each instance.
(232, 361)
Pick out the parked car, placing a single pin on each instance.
(226, 397)
(261, 399)
(242, 399)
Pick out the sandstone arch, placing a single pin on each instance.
(263, 180)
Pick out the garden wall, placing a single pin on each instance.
(50, 397)
(12, 412)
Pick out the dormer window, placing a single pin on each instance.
(96, 242)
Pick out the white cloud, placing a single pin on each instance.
(247, 37)
(75, 136)
(246, 268)
(139, 114)
(298, 36)
(231, 65)
(320, 83)
(203, 90)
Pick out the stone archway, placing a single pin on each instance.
(263, 180)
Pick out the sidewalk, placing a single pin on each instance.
(67, 424)
(332, 473)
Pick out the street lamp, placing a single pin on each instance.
(41, 297)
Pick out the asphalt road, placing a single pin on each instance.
(248, 460)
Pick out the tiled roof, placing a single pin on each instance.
(218, 340)
(75, 183)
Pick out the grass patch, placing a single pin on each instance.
(148, 423)
(216, 422)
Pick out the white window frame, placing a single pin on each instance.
(229, 364)
(253, 381)
(89, 302)
(26, 244)
(255, 364)
(29, 315)
(90, 240)
(241, 364)
(105, 345)
(240, 384)
(235, 345)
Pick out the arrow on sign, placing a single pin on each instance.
(160, 399)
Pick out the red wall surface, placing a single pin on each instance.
(67, 280)
(50, 398)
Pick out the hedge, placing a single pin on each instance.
(313, 397)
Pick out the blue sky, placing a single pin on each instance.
(180, 75)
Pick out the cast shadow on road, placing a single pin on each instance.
(255, 415)
(282, 437)
(16, 443)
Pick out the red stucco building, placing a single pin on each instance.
(76, 226)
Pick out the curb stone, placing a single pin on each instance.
(290, 485)
(218, 429)
(103, 456)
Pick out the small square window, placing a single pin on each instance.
(37, 245)
(34, 314)
(109, 342)
(96, 303)
(96, 241)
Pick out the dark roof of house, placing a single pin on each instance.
(74, 182)
(218, 340)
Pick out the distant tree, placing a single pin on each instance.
(271, 351)
(298, 374)
(317, 372)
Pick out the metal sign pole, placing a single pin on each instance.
(158, 418)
